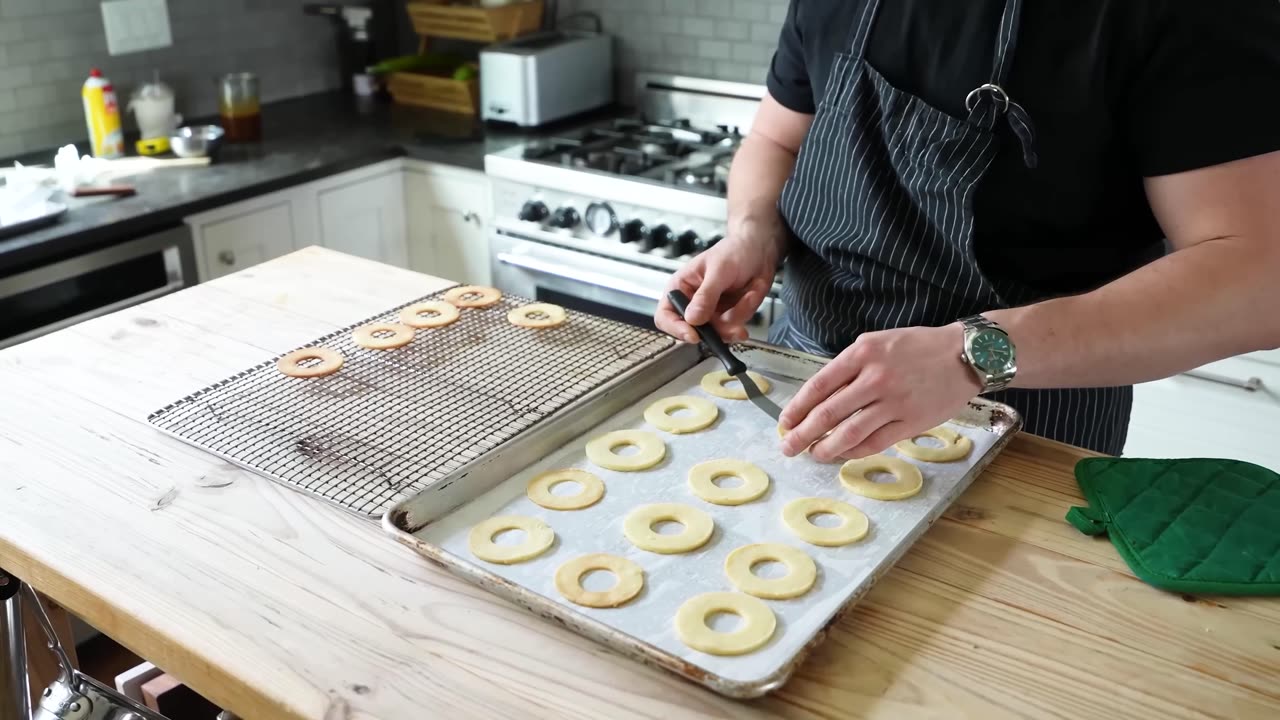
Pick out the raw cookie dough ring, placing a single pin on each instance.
(538, 536)
(526, 316)
(954, 446)
(703, 414)
(367, 336)
(638, 527)
(802, 572)
(630, 580)
(907, 477)
(757, 626)
(445, 314)
(539, 489)
(330, 362)
(714, 383)
(796, 516)
(473, 296)
(652, 450)
(702, 477)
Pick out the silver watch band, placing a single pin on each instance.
(991, 382)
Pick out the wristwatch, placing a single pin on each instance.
(990, 352)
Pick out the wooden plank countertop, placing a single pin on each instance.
(275, 605)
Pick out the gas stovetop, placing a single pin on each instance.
(673, 153)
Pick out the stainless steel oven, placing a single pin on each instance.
(49, 297)
(597, 284)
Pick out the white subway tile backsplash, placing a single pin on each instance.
(722, 39)
(47, 48)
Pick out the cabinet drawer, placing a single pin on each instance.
(1190, 416)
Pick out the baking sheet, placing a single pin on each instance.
(742, 432)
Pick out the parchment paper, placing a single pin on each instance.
(742, 432)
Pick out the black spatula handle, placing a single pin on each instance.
(709, 336)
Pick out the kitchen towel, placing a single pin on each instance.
(1189, 526)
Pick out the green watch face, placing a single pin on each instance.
(991, 351)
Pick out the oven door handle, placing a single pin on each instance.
(587, 277)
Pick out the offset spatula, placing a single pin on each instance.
(732, 364)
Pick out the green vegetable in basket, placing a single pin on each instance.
(465, 73)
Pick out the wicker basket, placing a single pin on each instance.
(435, 91)
(437, 18)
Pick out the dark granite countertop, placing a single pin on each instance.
(303, 140)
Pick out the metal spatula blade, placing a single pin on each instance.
(732, 364)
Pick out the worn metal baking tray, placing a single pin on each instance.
(436, 522)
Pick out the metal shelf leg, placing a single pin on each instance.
(15, 696)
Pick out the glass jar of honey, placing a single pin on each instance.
(240, 107)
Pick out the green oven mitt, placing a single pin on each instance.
(1189, 526)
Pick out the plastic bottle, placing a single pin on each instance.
(102, 113)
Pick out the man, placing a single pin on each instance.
(948, 181)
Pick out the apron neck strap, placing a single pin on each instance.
(862, 31)
(991, 102)
(1006, 41)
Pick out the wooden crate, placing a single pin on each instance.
(435, 91)
(438, 18)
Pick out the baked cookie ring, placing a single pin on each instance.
(796, 514)
(802, 572)
(538, 536)
(430, 314)
(537, 315)
(757, 623)
(473, 296)
(702, 413)
(630, 580)
(954, 446)
(714, 383)
(907, 477)
(638, 527)
(382, 336)
(652, 450)
(291, 364)
(539, 489)
(702, 477)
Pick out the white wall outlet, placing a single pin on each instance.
(135, 25)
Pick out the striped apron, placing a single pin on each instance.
(881, 203)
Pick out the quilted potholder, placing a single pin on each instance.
(1190, 526)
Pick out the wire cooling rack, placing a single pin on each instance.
(391, 422)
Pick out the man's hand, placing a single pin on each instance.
(725, 284)
(886, 387)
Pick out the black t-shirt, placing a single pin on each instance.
(1117, 90)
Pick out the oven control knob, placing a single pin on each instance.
(659, 237)
(565, 218)
(683, 245)
(633, 231)
(534, 211)
(704, 244)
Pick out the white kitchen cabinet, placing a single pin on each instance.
(448, 213)
(362, 213)
(1187, 416)
(243, 234)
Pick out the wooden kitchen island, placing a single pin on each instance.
(276, 605)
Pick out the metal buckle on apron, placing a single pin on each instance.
(971, 100)
(1019, 118)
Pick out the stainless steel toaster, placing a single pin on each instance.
(537, 79)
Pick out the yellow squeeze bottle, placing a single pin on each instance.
(102, 113)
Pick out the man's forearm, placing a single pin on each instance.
(1212, 300)
(760, 169)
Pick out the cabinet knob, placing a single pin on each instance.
(226, 257)
(470, 217)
